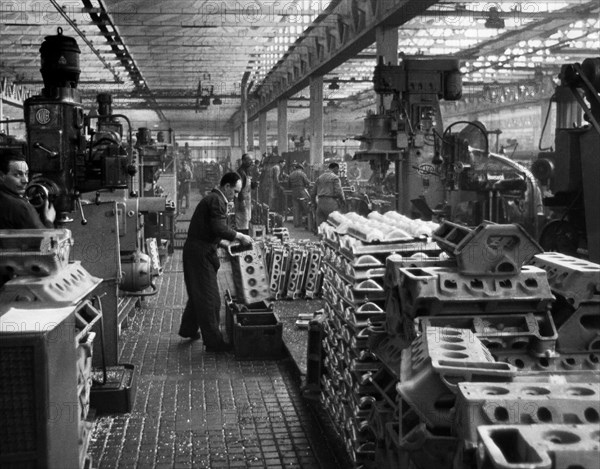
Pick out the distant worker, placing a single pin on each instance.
(201, 263)
(243, 202)
(327, 194)
(275, 195)
(16, 211)
(389, 183)
(299, 184)
(184, 178)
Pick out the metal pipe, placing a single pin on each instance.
(536, 202)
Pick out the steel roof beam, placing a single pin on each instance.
(342, 31)
(533, 30)
(122, 53)
(131, 10)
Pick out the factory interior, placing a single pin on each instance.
(422, 290)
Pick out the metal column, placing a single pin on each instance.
(282, 126)
(250, 137)
(316, 117)
(262, 132)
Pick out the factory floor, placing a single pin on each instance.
(195, 409)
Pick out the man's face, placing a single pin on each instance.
(17, 177)
(246, 162)
(230, 191)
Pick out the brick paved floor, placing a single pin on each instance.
(195, 409)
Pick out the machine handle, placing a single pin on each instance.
(80, 206)
(51, 153)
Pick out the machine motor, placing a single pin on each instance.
(136, 272)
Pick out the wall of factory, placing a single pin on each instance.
(208, 153)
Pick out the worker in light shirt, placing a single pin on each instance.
(327, 194)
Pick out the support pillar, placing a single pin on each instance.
(244, 126)
(387, 44)
(316, 118)
(282, 126)
(250, 140)
(387, 47)
(262, 133)
(386, 40)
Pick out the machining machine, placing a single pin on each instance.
(90, 176)
(571, 172)
(484, 186)
(158, 163)
(451, 175)
(403, 131)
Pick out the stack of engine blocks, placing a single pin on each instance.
(275, 268)
(467, 349)
(263, 220)
(294, 267)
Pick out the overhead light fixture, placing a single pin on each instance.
(205, 101)
(217, 101)
(334, 85)
(493, 20)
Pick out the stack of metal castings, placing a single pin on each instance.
(294, 268)
(576, 285)
(281, 233)
(262, 216)
(356, 386)
(484, 355)
(46, 317)
(493, 301)
(390, 227)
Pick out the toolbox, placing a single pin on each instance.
(117, 394)
(233, 306)
(257, 336)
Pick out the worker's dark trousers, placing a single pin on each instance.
(200, 266)
(298, 210)
(326, 205)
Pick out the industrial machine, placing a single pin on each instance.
(158, 163)
(438, 172)
(89, 173)
(48, 308)
(403, 130)
(571, 172)
(481, 185)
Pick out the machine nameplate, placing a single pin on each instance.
(43, 116)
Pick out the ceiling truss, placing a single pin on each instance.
(157, 58)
